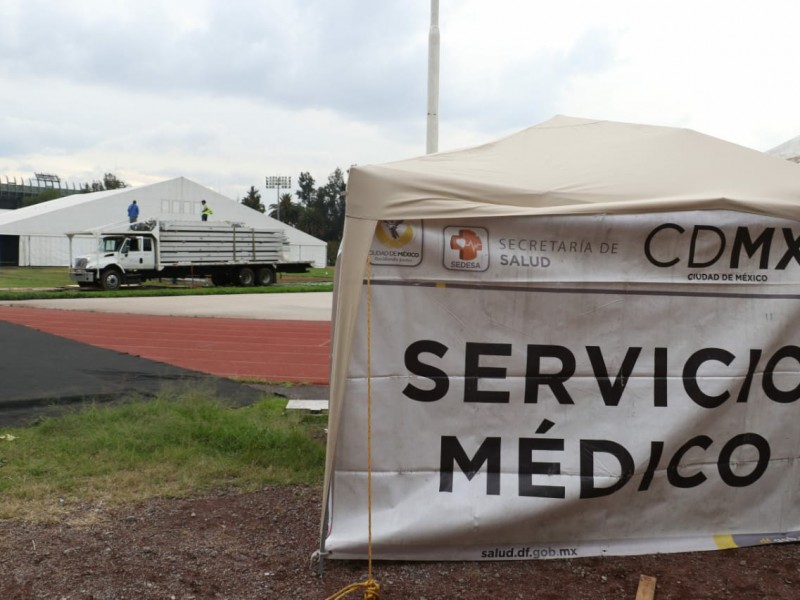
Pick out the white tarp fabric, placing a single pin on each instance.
(574, 341)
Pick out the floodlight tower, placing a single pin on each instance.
(278, 182)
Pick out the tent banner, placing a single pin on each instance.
(565, 386)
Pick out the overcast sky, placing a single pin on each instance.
(226, 92)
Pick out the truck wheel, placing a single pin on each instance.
(246, 276)
(111, 279)
(266, 276)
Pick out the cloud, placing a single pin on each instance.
(226, 93)
(299, 55)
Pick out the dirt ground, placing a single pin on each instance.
(258, 546)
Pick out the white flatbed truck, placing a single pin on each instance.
(227, 253)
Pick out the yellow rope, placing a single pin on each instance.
(372, 589)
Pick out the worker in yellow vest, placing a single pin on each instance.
(206, 210)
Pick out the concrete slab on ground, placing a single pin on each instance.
(309, 405)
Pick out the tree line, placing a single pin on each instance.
(318, 211)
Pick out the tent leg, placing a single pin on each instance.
(319, 555)
(318, 558)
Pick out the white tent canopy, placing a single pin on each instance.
(42, 227)
(569, 165)
(564, 166)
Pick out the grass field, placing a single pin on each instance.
(34, 277)
(42, 283)
(182, 442)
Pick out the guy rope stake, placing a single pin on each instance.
(372, 589)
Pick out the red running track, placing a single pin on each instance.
(253, 349)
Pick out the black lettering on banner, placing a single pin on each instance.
(742, 241)
(681, 476)
(744, 391)
(694, 264)
(588, 448)
(553, 366)
(660, 377)
(473, 372)
(690, 376)
(612, 392)
(656, 449)
(489, 453)
(555, 381)
(792, 249)
(681, 481)
(441, 383)
(768, 382)
(649, 240)
(724, 461)
(528, 468)
(707, 239)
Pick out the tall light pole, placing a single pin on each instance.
(278, 182)
(432, 144)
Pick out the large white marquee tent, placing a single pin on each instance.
(41, 229)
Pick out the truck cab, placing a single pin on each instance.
(120, 258)
(137, 253)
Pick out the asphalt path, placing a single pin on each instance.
(42, 374)
(61, 353)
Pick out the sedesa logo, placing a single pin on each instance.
(467, 248)
(467, 243)
(706, 246)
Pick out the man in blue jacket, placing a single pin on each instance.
(133, 211)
